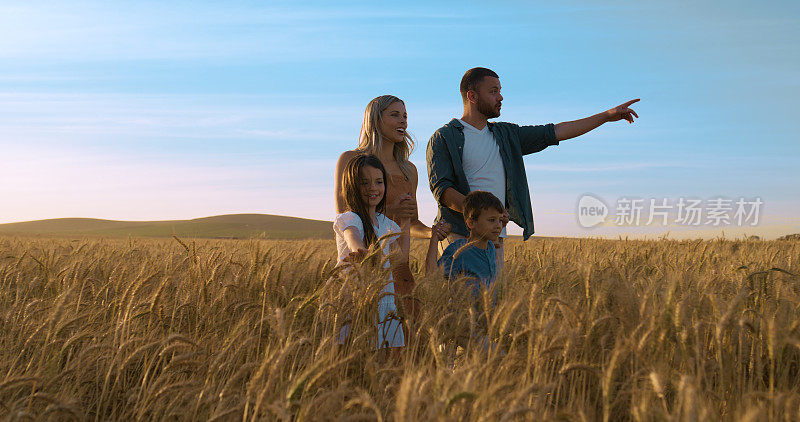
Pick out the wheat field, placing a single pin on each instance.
(583, 329)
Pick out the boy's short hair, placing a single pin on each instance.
(479, 200)
(472, 78)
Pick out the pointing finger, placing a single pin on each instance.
(625, 105)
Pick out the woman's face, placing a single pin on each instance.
(371, 185)
(394, 122)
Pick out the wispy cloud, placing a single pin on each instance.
(580, 168)
(139, 119)
(91, 30)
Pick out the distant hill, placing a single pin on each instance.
(221, 226)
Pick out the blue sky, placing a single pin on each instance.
(149, 110)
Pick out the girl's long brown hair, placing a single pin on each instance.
(352, 192)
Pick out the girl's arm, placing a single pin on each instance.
(355, 243)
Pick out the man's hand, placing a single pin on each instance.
(622, 111)
(505, 218)
(569, 130)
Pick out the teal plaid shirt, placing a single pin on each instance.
(445, 169)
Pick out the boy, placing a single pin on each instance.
(475, 256)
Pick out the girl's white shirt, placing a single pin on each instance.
(350, 219)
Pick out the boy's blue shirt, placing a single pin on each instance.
(479, 264)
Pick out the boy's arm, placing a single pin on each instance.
(439, 232)
(567, 130)
(432, 257)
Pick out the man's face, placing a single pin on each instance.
(487, 226)
(489, 98)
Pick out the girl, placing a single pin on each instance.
(357, 229)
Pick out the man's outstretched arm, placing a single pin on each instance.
(567, 130)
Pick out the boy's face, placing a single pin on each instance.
(487, 226)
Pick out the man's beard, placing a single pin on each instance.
(487, 109)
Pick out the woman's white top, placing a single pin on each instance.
(390, 332)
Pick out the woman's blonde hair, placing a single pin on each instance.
(370, 141)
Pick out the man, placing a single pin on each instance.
(470, 154)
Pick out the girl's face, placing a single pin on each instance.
(371, 186)
(394, 122)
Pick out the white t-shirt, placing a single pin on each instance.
(482, 163)
(390, 331)
(351, 219)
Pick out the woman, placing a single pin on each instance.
(383, 134)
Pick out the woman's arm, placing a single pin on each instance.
(399, 246)
(402, 248)
(418, 229)
(338, 190)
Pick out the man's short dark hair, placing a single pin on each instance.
(479, 200)
(472, 78)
